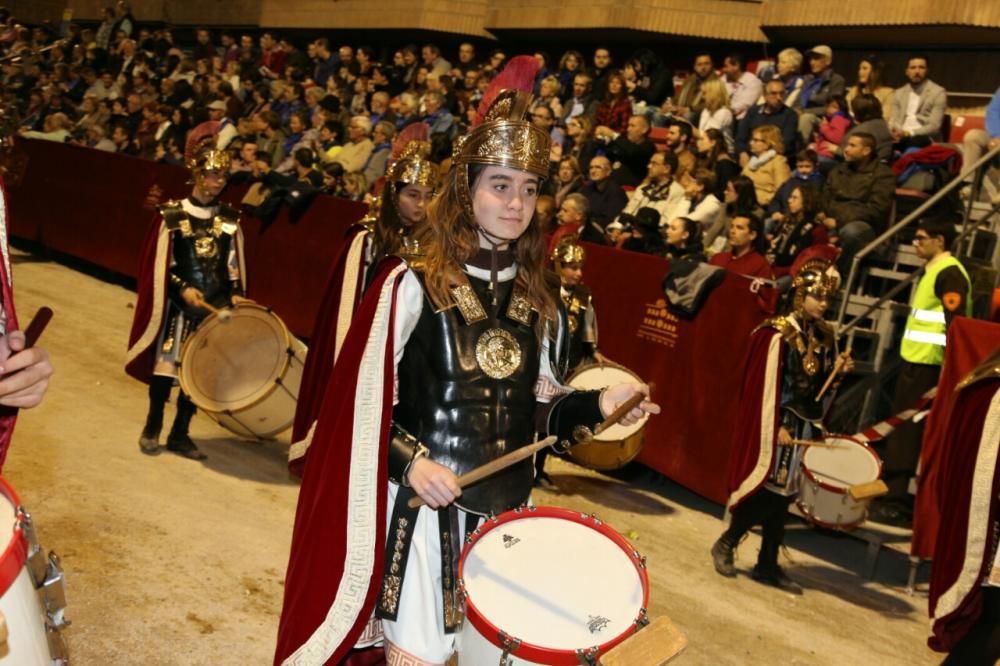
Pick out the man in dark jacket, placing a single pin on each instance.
(857, 197)
(773, 111)
(629, 152)
(605, 196)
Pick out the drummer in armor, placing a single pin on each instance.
(448, 365)
(789, 361)
(192, 266)
(567, 260)
(391, 228)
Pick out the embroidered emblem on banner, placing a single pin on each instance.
(658, 325)
(498, 353)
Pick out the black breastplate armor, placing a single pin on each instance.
(802, 386)
(201, 248)
(463, 415)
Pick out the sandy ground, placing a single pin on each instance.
(171, 561)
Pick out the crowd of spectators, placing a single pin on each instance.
(325, 115)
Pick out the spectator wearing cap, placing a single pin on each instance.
(355, 153)
(917, 107)
(744, 88)
(819, 86)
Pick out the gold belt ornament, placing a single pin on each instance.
(498, 353)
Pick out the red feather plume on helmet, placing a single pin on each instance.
(519, 74)
(201, 136)
(827, 253)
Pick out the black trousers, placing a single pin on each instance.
(981, 646)
(767, 509)
(901, 451)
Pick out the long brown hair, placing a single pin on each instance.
(451, 239)
(388, 225)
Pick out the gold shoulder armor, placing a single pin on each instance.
(230, 218)
(173, 214)
(781, 324)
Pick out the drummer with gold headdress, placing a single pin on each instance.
(448, 365)
(567, 260)
(192, 265)
(390, 228)
(790, 358)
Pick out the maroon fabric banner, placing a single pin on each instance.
(697, 364)
(98, 206)
(970, 342)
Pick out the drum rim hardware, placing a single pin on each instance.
(538, 653)
(45, 573)
(808, 508)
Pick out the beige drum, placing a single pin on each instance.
(827, 476)
(243, 367)
(618, 445)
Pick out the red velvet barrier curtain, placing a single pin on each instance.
(696, 364)
(970, 341)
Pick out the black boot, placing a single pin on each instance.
(178, 440)
(767, 570)
(159, 392)
(723, 553)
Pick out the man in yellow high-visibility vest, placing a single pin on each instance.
(943, 292)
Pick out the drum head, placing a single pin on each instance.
(849, 464)
(231, 363)
(553, 579)
(596, 377)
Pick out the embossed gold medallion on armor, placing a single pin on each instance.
(498, 353)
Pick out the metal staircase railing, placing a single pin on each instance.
(979, 170)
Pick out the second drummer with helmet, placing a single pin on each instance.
(447, 365)
(192, 264)
(790, 358)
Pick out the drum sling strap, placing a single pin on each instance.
(397, 551)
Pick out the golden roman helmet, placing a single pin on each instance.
(568, 251)
(501, 136)
(814, 273)
(409, 163)
(200, 153)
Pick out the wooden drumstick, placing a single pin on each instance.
(494, 466)
(505, 461)
(810, 442)
(622, 410)
(841, 360)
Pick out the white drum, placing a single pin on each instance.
(546, 585)
(619, 444)
(243, 367)
(828, 474)
(24, 617)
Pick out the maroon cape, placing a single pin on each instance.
(969, 483)
(8, 415)
(330, 321)
(150, 303)
(756, 434)
(338, 541)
